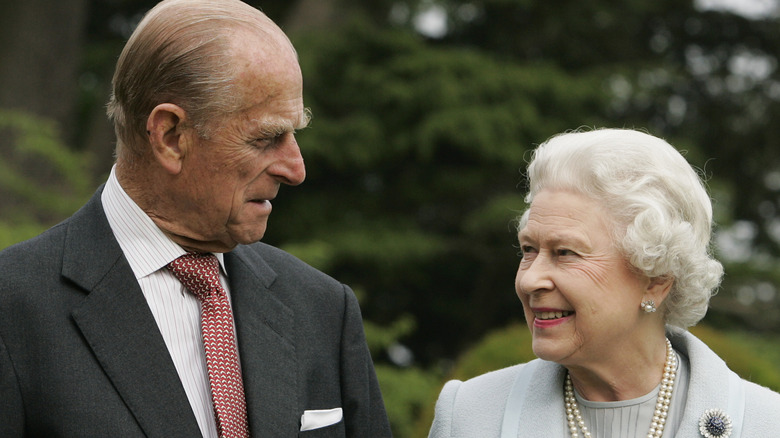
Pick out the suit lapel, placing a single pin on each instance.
(120, 329)
(265, 328)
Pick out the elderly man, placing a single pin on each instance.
(153, 311)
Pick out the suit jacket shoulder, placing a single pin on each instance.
(33, 255)
(80, 352)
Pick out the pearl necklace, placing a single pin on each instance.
(576, 422)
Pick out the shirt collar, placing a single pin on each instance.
(145, 246)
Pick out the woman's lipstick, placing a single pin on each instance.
(546, 317)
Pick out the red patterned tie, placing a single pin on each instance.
(200, 274)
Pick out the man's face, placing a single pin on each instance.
(229, 179)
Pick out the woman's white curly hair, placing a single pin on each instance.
(659, 205)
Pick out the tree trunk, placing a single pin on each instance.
(40, 53)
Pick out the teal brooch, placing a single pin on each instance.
(714, 423)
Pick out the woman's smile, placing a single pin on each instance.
(546, 318)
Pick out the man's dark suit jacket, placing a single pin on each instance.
(81, 354)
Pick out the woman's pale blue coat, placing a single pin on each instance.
(475, 408)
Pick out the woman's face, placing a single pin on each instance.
(580, 297)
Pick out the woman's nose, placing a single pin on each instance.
(534, 276)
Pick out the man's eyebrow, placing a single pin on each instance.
(305, 119)
(278, 127)
(273, 129)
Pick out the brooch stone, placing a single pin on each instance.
(715, 423)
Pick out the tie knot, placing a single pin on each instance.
(198, 272)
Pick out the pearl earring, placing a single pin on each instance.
(648, 306)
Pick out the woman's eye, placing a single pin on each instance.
(526, 249)
(566, 252)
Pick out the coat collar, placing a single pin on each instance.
(712, 384)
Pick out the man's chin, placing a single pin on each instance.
(248, 237)
(223, 243)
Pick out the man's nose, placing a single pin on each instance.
(288, 167)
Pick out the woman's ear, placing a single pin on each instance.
(658, 289)
(168, 136)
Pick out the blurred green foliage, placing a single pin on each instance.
(745, 353)
(415, 153)
(42, 181)
(406, 392)
(499, 349)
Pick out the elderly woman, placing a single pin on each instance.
(615, 266)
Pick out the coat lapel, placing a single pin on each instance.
(543, 411)
(120, 329)
(710, 384)
(265, 328)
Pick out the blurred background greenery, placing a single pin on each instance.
(424, 114)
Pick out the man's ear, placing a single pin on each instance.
(168, 136)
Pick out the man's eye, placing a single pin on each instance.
(262, 143)
(265, 142)
(566, 252)
(270, 140)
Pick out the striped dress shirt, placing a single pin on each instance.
(177, 312)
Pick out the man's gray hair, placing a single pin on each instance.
(180, 53)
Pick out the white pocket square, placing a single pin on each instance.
(320, 418)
